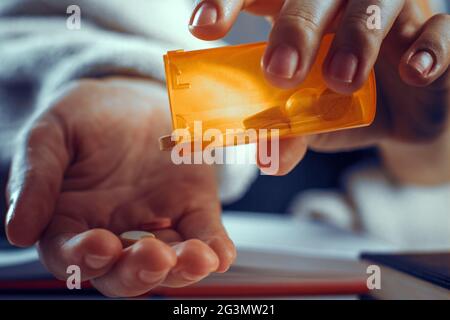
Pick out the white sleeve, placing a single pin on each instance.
(414, 217)
(410, 217)
(37, 47)
(238, 172)
(39, 55)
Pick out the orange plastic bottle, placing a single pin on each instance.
(225, 89)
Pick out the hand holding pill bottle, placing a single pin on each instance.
(225, 89)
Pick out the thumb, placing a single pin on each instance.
(290, 152)
(36, 174)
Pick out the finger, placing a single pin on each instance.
(213, 19)
(295, 39)
(195, 261)
(140, 268)
(356, 46)
(35, 179)
(429, 56)
(94, 251)
(205, 224)
(290, 152)
(348, 140)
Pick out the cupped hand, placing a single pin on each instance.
(411, 52)
(89, 168)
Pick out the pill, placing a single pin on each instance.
(129, 238)
(300, 101)
(166, 143)
(333, 106)
(272, 118)
(157, 224)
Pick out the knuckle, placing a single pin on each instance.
(403, 31)
(441, 18)
(357, 23)
(360, 38)
(357, 20)
(355, 34)
(300, 19)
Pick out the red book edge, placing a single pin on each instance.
(354, 286)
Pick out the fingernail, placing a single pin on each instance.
(283, 62)
(150, 276)
(97, 262)
(343, 66)
(190, 277)
(205, 15)
(422, 61)
(179, 272)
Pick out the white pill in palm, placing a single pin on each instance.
(130, 237)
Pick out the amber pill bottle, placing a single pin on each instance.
(225, 89)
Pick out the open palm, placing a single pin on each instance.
(90, 168)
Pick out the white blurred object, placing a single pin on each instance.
(411, 217)
(278, 233)
(16, 257)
